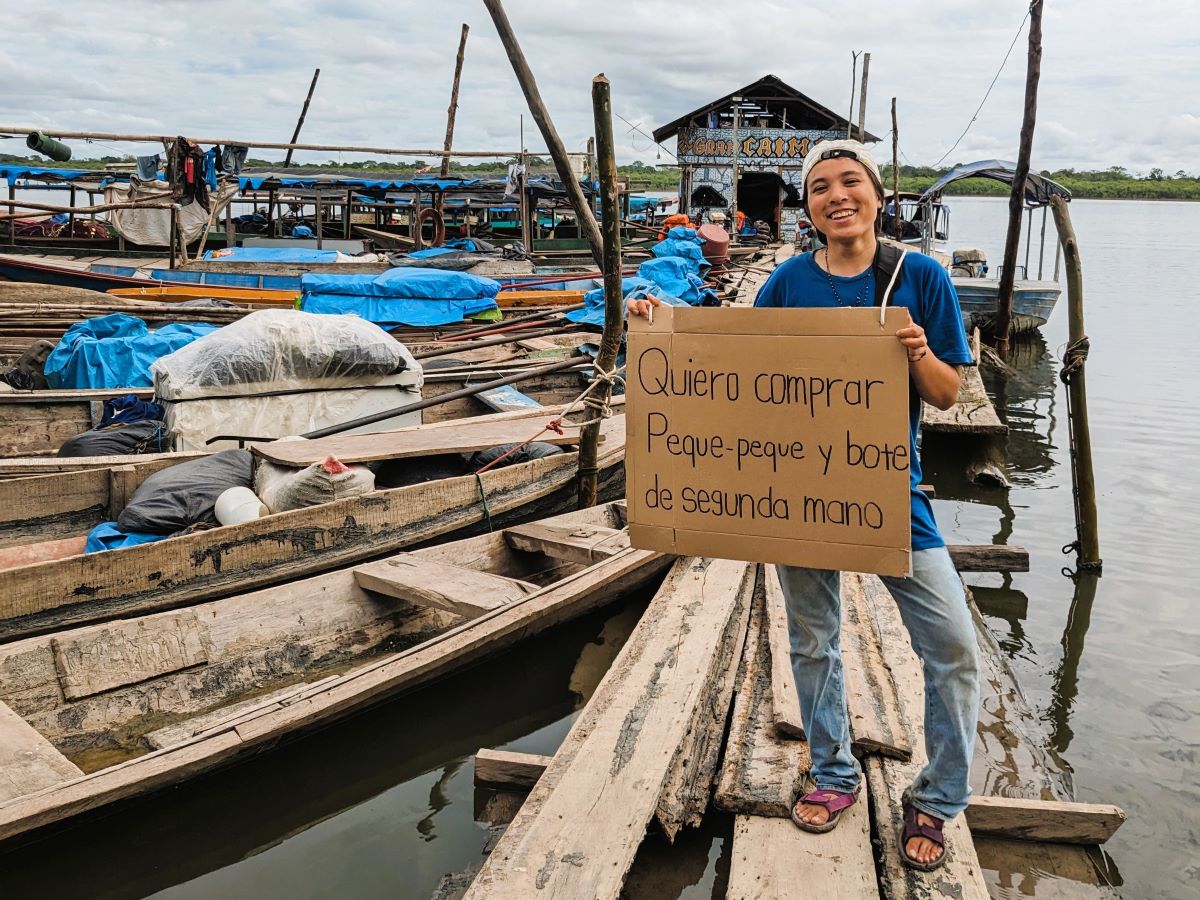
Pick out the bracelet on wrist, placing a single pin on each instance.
(917, 359)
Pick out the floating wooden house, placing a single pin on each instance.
(775, 125)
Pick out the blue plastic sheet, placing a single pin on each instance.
(683, 243)
(272, 255)
(107, 536)
(115, 351)
(631, 289)
(401, 296)
(676, 276)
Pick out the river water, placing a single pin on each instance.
(383, 805)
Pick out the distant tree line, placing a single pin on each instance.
(1114, 183)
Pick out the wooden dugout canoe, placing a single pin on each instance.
(46, 596)
(200, 687)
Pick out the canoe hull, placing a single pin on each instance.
(1033, 302)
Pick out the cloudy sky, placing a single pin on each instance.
(1120, 81)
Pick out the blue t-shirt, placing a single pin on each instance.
(924, 289)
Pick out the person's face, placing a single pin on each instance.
(842, 202)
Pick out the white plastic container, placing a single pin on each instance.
(237, 505)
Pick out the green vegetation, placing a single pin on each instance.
(1111, 184)
(1115, 183)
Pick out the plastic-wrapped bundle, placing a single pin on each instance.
(280, 350)
(283, 488)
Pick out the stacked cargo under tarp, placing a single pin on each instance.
(401, 296)
(281, 372)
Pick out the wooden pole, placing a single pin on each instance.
(458, 66)
(1016, 200)
(733, 190)
(588, 226)
(287, 160)
(862, 98)
(614, 321)
(896, 224)
(853, 85)
(1087, 523)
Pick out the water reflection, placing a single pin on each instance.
(1066, 675)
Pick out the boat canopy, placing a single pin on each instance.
(1038, 188)
(15, 173)
(272, 180)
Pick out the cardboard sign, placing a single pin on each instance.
(770, 435)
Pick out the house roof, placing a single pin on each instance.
(802, 112)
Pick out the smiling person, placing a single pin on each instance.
(844, 198)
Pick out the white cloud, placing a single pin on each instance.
(240, 70)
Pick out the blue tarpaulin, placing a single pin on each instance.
(115, 351)
(631, 289)
(682, 242)
(676, 276)
(401, 296)
(107, 536)
(272, 255)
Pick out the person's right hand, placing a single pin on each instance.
(641, 307)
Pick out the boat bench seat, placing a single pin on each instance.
(28, 762)
(466, 592)
(583, 544)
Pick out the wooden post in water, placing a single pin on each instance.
(614, 324)
(895, 173)
(588, 226)
(1016, 200)
(1087, 523)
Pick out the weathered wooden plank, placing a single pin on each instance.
(22, 466)
(465, 592)
(92, 660)
(28, 762)
(1044, 820)
(887, 779)
(694, 770)
(774, 860)
(580, 828)
(463, 437)
(972, 413)
(876, 724)
(762, 773)
(509, 769)
(785, 702)
(988, 558)
(583, 544)
(51, 506)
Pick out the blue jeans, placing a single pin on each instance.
(934, 610)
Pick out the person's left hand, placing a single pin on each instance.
(912, 336)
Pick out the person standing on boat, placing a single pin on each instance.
(844, 197)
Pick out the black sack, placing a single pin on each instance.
(528, 453)
(174, 498)
(146, 436)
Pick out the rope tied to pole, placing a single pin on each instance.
(602, 408)
(1074, 358)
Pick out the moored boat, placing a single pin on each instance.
(200, 687)
(199, 565)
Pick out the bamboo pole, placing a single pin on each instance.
(1016, 200)
(260, 145)
(1087, 523)
(103, 207)
(896, 223)
(614, 325)
(583, 213)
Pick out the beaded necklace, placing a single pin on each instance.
(860, 299)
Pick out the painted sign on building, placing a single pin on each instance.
(763, 146)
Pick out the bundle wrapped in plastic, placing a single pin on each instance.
(280, 350)
(282, 488)
(183, 495)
